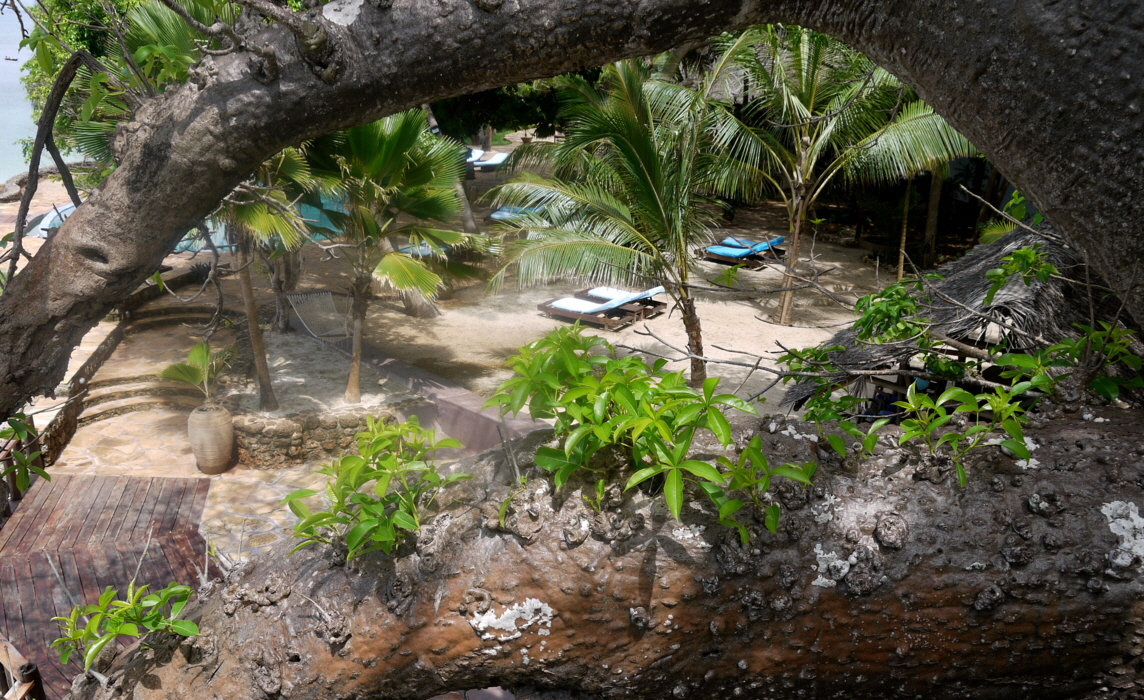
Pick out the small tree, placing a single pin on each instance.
(381, 172)
(637, 183)
(824, 110)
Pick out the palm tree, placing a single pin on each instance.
(825, 110)
(259, 214)
(381, 172)
(636, 183)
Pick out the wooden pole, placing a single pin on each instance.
(905, 226)
(30, 673)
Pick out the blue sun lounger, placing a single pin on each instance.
(750, 254)
(611, 315)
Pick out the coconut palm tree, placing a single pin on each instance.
(637, 182)
(389, 176)
(826, 112)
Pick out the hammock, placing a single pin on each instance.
(319, 314)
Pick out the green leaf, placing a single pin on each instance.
(703, 470)
(717, 423)
(642, 476)
(184, 628)
(1017, 448)
(729, 507)
(771, 518)
(360, 532)
(673, 492)
(94, 648)
(837, 444)
(405, 521)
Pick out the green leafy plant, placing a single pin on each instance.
(1028, 263)
(598, 400)
(24, 461)
(864, 441)
(596, 502)
(893, 313)
(378, 496)
(1016, 208)
(751, 476)
(201, 369)
(1002, 408)
(87, 629)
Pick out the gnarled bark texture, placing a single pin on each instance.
(885, 580)
(1047, 90)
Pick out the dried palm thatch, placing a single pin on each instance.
(1028, 317)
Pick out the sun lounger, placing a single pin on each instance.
(475, 155)
(643, 303)
(510, 213)
(750, 254)
(492, 163)
(611, 315)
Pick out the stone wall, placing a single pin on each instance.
(286, 441)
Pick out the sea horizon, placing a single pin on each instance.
(15, 110)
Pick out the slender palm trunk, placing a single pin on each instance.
(786, 298)
(905, 228)
(929, 243)
(694, 338)
(358, 306)
(266, 398)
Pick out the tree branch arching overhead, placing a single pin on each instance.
(1044, 90)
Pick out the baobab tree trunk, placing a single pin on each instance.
(1045, 108)
(266, 399)
(885, 580)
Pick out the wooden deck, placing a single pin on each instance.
(92, 529)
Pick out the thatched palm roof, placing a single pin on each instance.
(1040, 314)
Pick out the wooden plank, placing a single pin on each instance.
(109, 498)
(184, 488)
(36, 617)
(125, 489)
(10, 600)
(72, 507)
(142, 505)
(101, 490)
(90, 587)
(154, 509)
(127, 512)
(195, 518)
(42, 513)
(51, 601)
(24, 515)
(180, 558)
(186, 516)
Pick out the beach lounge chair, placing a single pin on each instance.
(611, 315)
(749, 254)
(490, 165)
(510, 213)
(643, 302)
(319, 315)
(475, 155)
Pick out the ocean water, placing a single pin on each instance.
(15, 110)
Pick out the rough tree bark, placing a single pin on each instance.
(885, 580)
(1042, 89)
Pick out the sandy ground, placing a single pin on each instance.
(311, 377)
(476, 331)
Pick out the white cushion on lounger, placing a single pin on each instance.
(578, 306)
